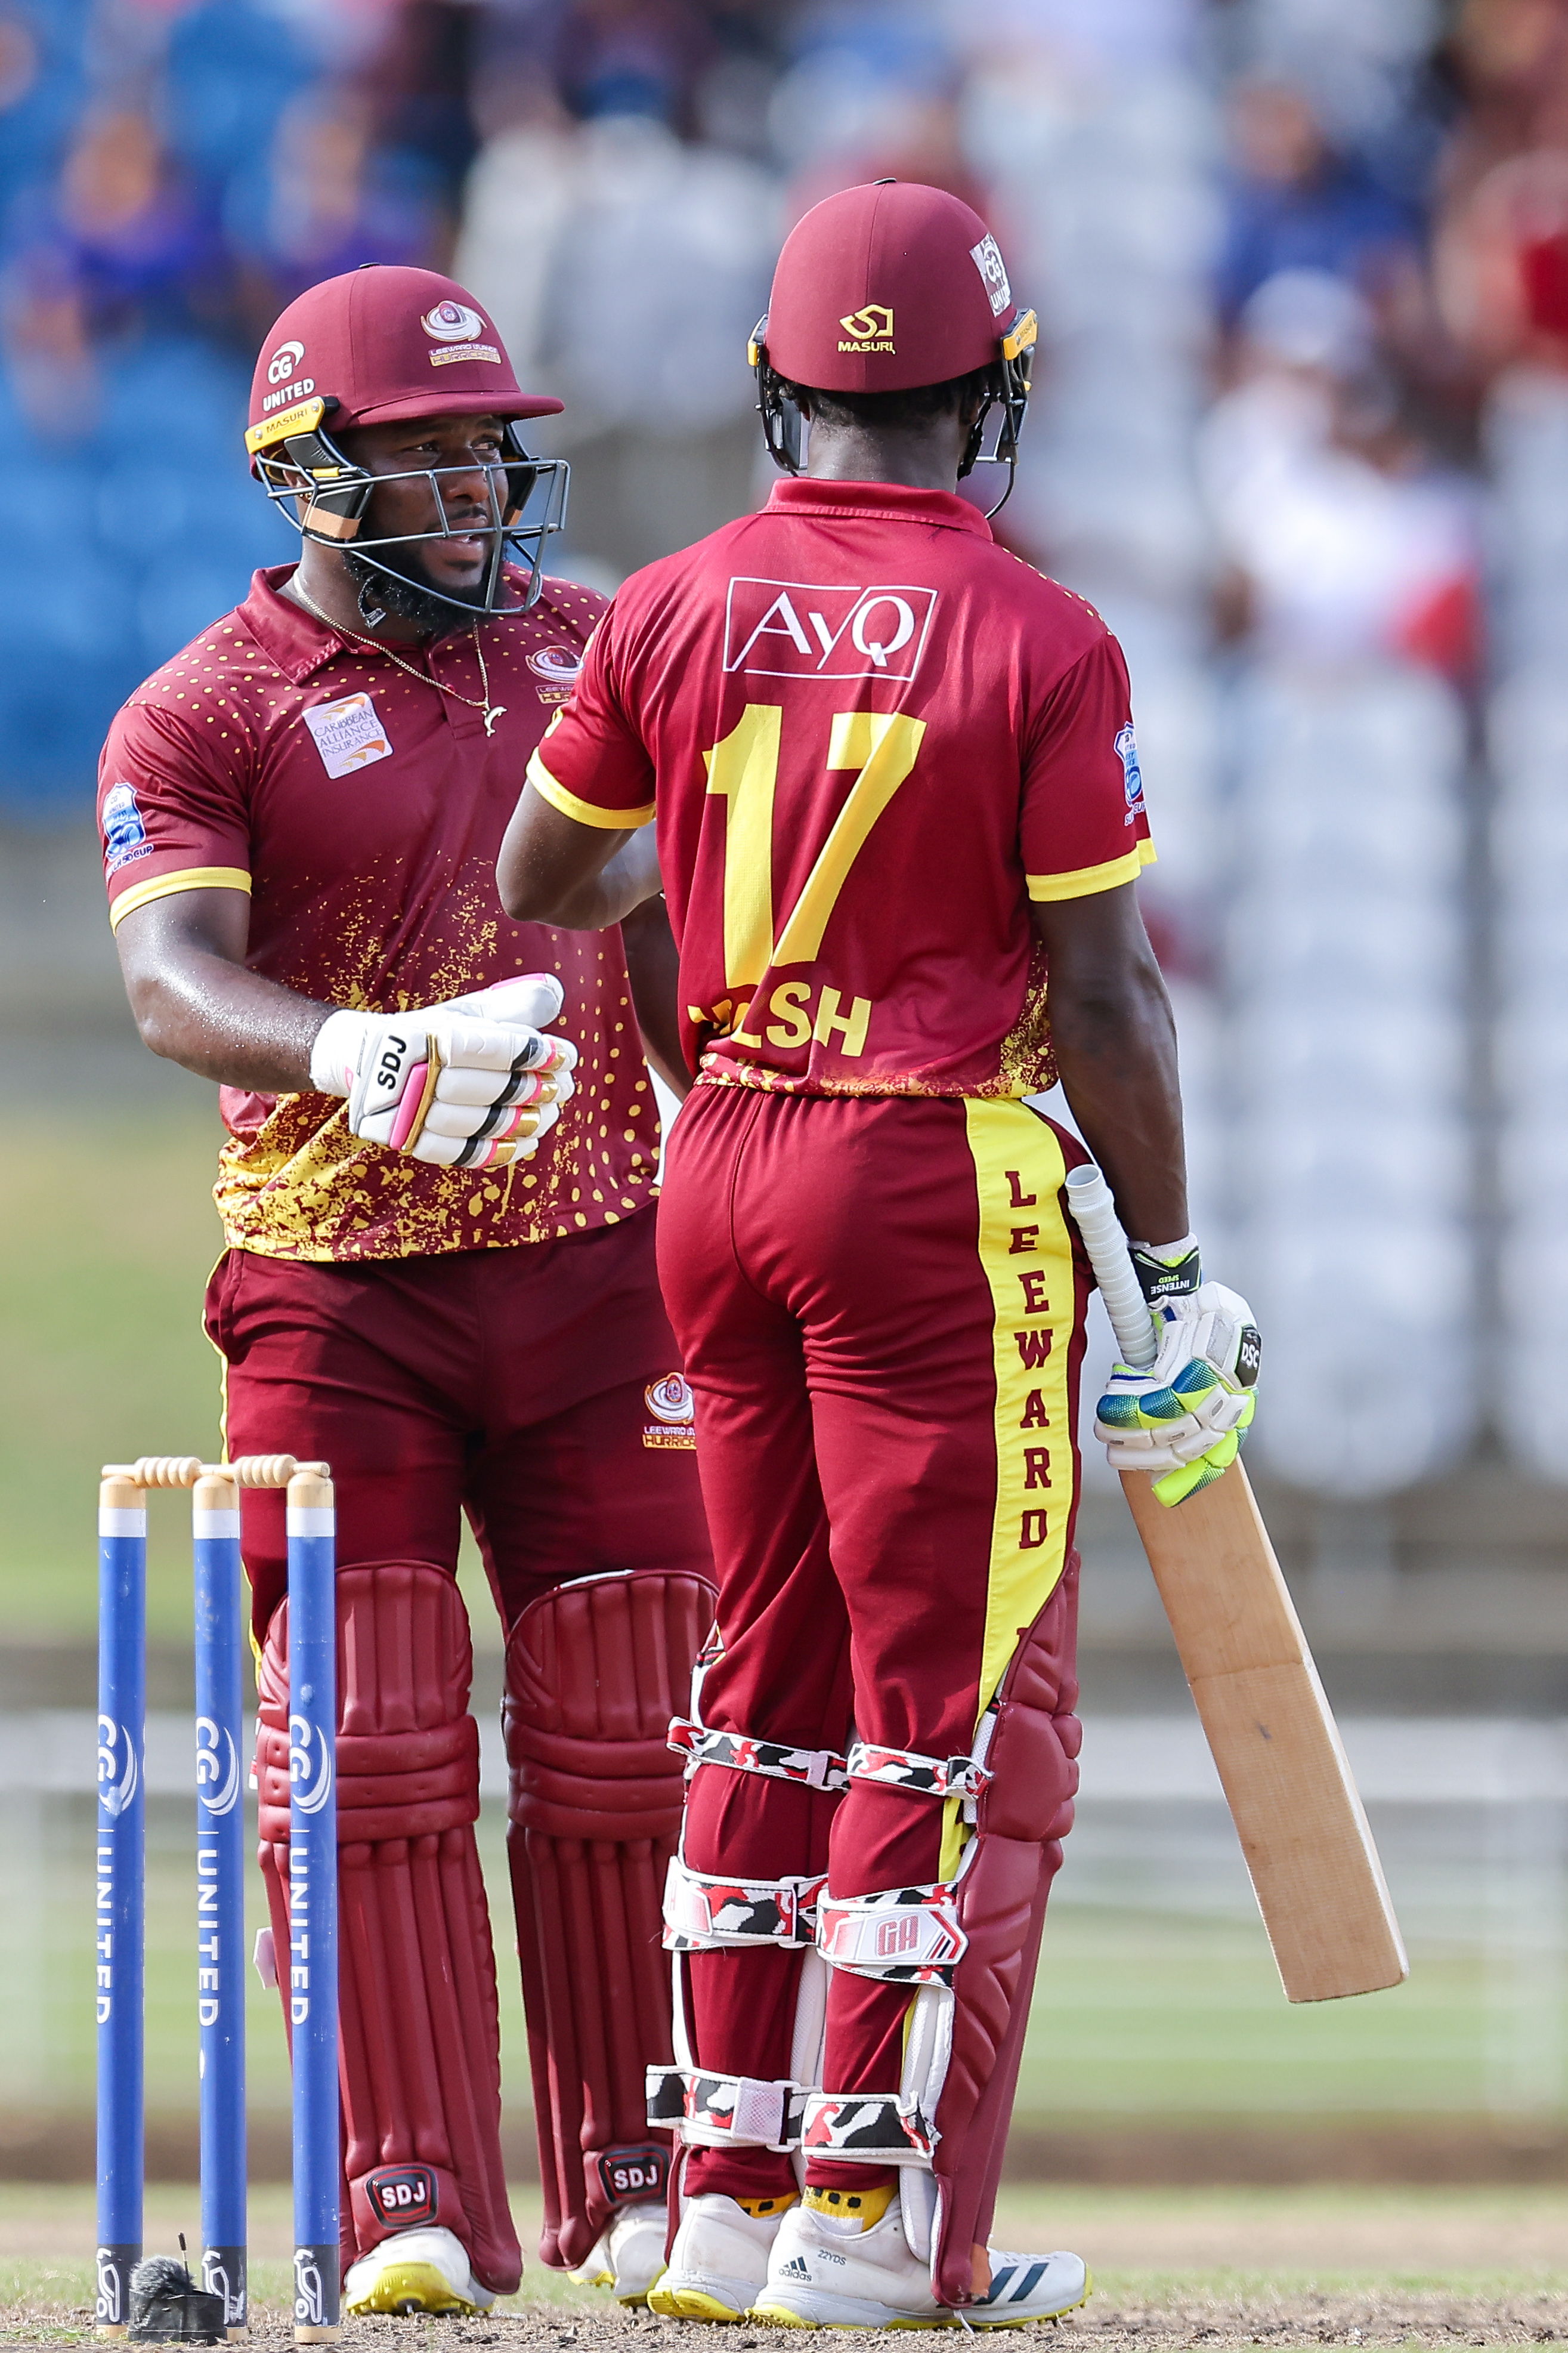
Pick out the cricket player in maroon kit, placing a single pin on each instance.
(897, 792)
(437, 1199)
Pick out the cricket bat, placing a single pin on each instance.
(1287, 1780)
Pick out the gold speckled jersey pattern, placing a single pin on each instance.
(368, 842)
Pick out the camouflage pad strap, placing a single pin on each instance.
(725, 2111)
(818, 1769)
(905, 1935)
(924, 1777)
(702, 1911)
(873, 2127)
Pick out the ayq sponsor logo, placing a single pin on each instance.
(795, 628)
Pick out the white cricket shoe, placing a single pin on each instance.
(426, 2270)
(824, 2275)
(719, 2262)
(629, 2256)
(1029, 2287)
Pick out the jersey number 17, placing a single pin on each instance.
(743, 767)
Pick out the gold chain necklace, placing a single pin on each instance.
(492, 711)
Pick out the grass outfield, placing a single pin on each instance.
(112, 1235)
(1282, 2267)
(1136, 2013)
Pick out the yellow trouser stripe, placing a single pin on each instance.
(1027, 1254)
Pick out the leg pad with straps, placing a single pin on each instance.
(419, 2034)
(594, 1671)
(1022, 1816)
(969, 1949)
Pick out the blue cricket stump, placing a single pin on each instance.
(312, 1986)
(220, 1887)
(313, 1901)
(121, 1711)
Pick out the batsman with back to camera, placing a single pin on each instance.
(437, 1199)
(897, 792)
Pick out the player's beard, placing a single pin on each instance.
(403, 590)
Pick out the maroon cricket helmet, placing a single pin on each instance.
(382, 343)
(368, 348)
(882, 289)
(885, 287)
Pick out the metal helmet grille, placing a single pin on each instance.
(326, 497)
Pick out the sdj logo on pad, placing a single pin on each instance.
(792, 629)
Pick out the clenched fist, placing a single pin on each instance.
(468, 1083)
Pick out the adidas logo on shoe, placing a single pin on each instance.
(795, 2269)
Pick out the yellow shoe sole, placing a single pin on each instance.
(779, 2315)
(688, 2304)
(638, 2303)
(411, 2288)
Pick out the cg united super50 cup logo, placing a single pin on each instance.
(217, 1767)
(119, 1770)
(310, 1765)
(797, 629)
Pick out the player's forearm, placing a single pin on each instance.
(627, 881)
(653, 965)
(198, 1004)
(1116, 1053)
(227, 1023)
(1115, 1044)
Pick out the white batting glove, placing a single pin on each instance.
(468, 1083)
(1184, 1418)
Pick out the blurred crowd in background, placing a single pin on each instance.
(1301, 430)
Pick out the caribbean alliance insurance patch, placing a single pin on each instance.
(348, 735)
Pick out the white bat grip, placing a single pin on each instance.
(1094, 1214)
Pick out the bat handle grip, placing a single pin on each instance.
(1094, 1214)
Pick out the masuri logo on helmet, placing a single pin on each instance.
(870, 325)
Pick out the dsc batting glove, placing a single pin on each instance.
(471, 1083)
(1185, 1416)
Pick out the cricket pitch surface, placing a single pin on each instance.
(1280, 2267)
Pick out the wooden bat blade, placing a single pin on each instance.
(1303, 1831)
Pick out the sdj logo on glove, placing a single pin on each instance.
(470, 1083)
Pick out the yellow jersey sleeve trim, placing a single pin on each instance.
(584, 812)
(164, 886)
(1086, 880)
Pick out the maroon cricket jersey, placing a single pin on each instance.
(363, 811)
(870, 736)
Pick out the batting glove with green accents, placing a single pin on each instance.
(1184, 1418)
